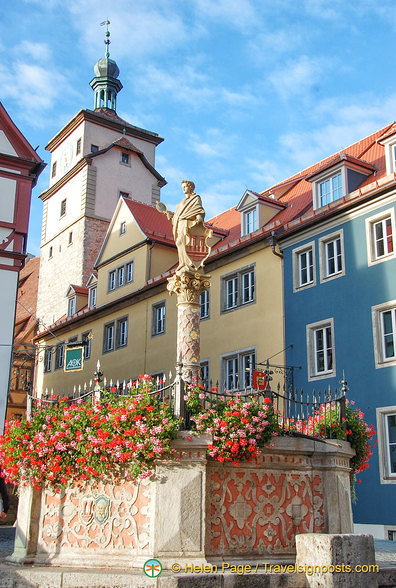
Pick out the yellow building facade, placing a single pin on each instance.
(130, 323)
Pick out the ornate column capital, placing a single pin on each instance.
(188, 286)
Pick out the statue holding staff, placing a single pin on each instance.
(189, 231)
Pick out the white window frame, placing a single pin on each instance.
(378, 333)
(123, 228)
(122, 332)
(390, 155)
(312, 331)
(72, 305)
(108, 337)
(237, 360)
(383, 412)
(323, 256)
(249, 221)
(296, 256)
(327, 175)
(158, 319)
(205, 372)
(129, 272)
(120, 276)
(112, 280)
(372, 258)
(233, 288)
(204, 305)
(92, 296)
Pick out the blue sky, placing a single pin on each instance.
(244, 92)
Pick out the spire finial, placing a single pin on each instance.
(107, 35)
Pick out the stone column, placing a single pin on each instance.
(188, 287)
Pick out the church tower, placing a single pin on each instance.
(96, 158)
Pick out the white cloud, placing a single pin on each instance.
(241, 14)
(211, 143)
(187, 84)
(346, 124)
(265, 173)
(31, 80)
(137, 28)
(220, 196)
(298, 76)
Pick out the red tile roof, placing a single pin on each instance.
(299, 195)
(79, 289)
(153, 223)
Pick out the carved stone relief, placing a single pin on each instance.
(96, 517)
(260, 511)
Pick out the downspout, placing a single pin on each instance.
(273, 243)
(149, 261)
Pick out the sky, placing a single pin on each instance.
(244, 92)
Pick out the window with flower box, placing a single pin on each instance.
(238, 289)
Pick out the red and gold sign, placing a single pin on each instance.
(259, 380)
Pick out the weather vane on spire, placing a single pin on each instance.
(107, 34)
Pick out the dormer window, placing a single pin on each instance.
(257, 210)
(338, 177)
(330, 189)
(92, 297)
(71, 306)
(249, 221)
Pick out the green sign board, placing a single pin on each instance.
(73, 359)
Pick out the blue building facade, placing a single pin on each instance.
(340, 314)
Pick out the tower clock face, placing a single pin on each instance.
(66, 158)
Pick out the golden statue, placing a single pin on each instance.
(189, 232)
